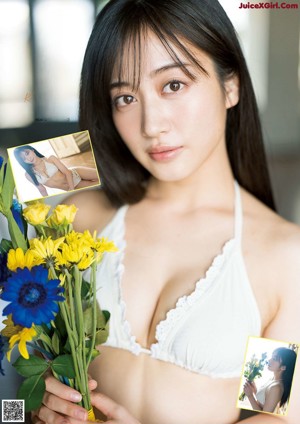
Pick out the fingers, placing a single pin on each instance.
(61, 390)
(51, 417)
(57, 404)
(92, 384)
(35, 420)
(115, 412)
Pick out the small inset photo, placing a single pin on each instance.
(55, 166)
(268, 373)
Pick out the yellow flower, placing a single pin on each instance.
(46, 249)
(36, 214)
(63, 215)
(73, 236)
(18, 259)
(61, 260)
(10, 328)
(99, 245)
(77, 253)
(23, 336)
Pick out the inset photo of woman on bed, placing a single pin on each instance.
(267, 375)
(54, 166)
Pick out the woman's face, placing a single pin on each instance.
(274, 363)
(174, 125)
(28, 156)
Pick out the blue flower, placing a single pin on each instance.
(16, 209)
(3, 350)
(33, 297)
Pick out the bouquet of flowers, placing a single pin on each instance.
(52, 303)
(253, 369)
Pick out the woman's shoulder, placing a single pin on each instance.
(51, 159)
(276, 237)
(94, 210)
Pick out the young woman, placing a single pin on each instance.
(51, 172)
(203, 259)
(276, 392)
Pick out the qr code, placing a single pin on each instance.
(13, 411)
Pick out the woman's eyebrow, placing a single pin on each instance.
(119, 84)
(167, 67)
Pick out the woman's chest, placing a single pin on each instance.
(166, 261)
(168, 265)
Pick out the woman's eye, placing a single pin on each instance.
(173, 86)
(124, 101)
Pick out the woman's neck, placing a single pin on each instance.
(278, 376)
(38, 161)
(208, 188)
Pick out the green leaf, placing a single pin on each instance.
(102, 319)
(95, 353)
(32, 391)
(55, 343)
(5, 245)
(67, 347)
(106, 316)
(45, 339)
(2, 176)
(88, 320)
(101, 336)
(85, 289)
(17, 237)
(8, 187)
(63, 365)
(60, 325)
(32, 366)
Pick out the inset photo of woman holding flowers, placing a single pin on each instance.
(267, 375)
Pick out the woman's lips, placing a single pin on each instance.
(164, 153)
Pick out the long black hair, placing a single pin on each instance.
(27, 166)
(287, 358)
(204, 24)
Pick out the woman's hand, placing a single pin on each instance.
(59, 404)
(249, 388)
(116, 414)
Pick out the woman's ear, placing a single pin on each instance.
(231, 87)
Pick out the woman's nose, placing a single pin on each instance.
(154, 119)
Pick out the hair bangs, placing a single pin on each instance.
(133, 39)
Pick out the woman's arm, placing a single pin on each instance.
(249, 390)
(63, 169)
(40, 187)
(285, 326)
(273, 396)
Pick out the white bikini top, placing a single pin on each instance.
(50, 170)
(207, 330)
(261, 393)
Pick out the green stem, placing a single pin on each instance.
(72, 334)
(94, 311)
(71, 305)
(81, 338)
(72, 345)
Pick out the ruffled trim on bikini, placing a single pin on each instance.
(186, 301)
